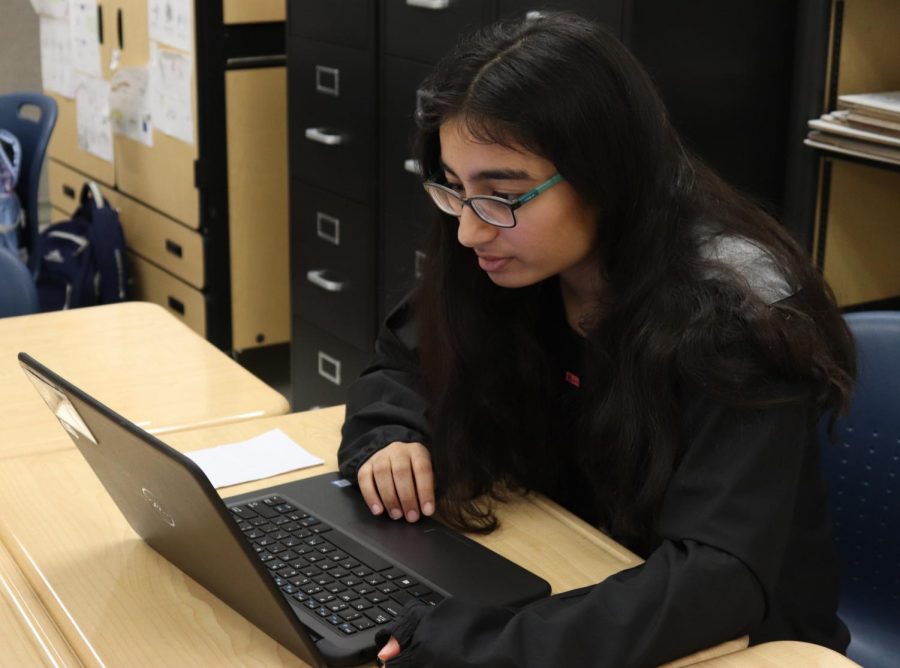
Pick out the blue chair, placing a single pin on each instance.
(862, 469)
(18, 294)
(30, 117)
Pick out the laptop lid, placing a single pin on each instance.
(170, 503)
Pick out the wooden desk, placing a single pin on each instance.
(136, 358)
(117, 602)
(781, 654)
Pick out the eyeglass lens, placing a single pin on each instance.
(489, 210)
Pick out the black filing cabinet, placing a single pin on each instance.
(333, 147)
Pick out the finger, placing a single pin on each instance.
(424, 477)
(406, 487)
(384, 481)
(390, 650)
(366, 482)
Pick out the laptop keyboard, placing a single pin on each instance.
(330, 575)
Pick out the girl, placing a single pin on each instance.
(604, 321)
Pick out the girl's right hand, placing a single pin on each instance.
(398, 478)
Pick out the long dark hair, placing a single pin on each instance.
(566, 89)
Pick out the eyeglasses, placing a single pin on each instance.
(491, 209)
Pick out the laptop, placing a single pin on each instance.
(306, 562)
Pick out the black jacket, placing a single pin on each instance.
(744, 542)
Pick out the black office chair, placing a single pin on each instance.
(862, 468)
(30, 117)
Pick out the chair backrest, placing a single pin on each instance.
(862, 468)
(31, 118)
(18, 294)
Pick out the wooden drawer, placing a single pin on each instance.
(252, 11)
(152, 235)
(64, 184)
(161, 240)
(333, 255)
(347, 22)
(332, 93)
(152, 284)
(322, 367)
(425, 30)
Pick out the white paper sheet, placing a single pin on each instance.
(56, 56)
(171, 85)
(129, 104)
(56, 8)
(263, 456)
(171, 22)
(92, 116)
(85, 36)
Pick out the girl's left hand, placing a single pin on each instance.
(390, 650)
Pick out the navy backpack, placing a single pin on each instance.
(83, 259)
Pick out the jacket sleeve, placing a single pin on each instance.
(385, 404)
(724, 527)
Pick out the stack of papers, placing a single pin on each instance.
(865, 126)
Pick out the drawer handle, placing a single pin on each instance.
(317, 278)
(328, 80)
(69, 192)
(324, 136)
(173, 248)
(328, 228)
(429, 4)
(176, 305)
(412, 166)
(329, 368)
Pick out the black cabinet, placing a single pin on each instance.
(725, 70)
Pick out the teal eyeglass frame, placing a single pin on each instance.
(472, 202)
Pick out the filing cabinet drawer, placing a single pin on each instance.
(425, 30)
(332, 242)
(403, 246)
(332, 104)
(322, 367)
(347, 22)
(252, 11)
(607, 12)
(170, 245)
(64, 184)
(152, 284)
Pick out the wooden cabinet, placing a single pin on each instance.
(206, 222)
(857, 225)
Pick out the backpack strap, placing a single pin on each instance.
(105, 235)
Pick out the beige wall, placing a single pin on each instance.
(20, 63)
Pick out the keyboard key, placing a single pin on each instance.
(360, 604)
(349, 615)
(272, 500)
(323, 597)
(285, 508)
(378, 615)
(336, 606)
(309, 521)
(347, 596)
(262, 509)
(311, 589)
(334, 620)
(347, 628)
(432, 599)
(242, 512)
(392, 608)
(393, 574)
(363, 589)
(419, 590)
(387, 588)
(335, 587)
(320, 528)
(402, 597)
(363, 623)
(406, 582)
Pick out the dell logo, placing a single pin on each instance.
(150, 498)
